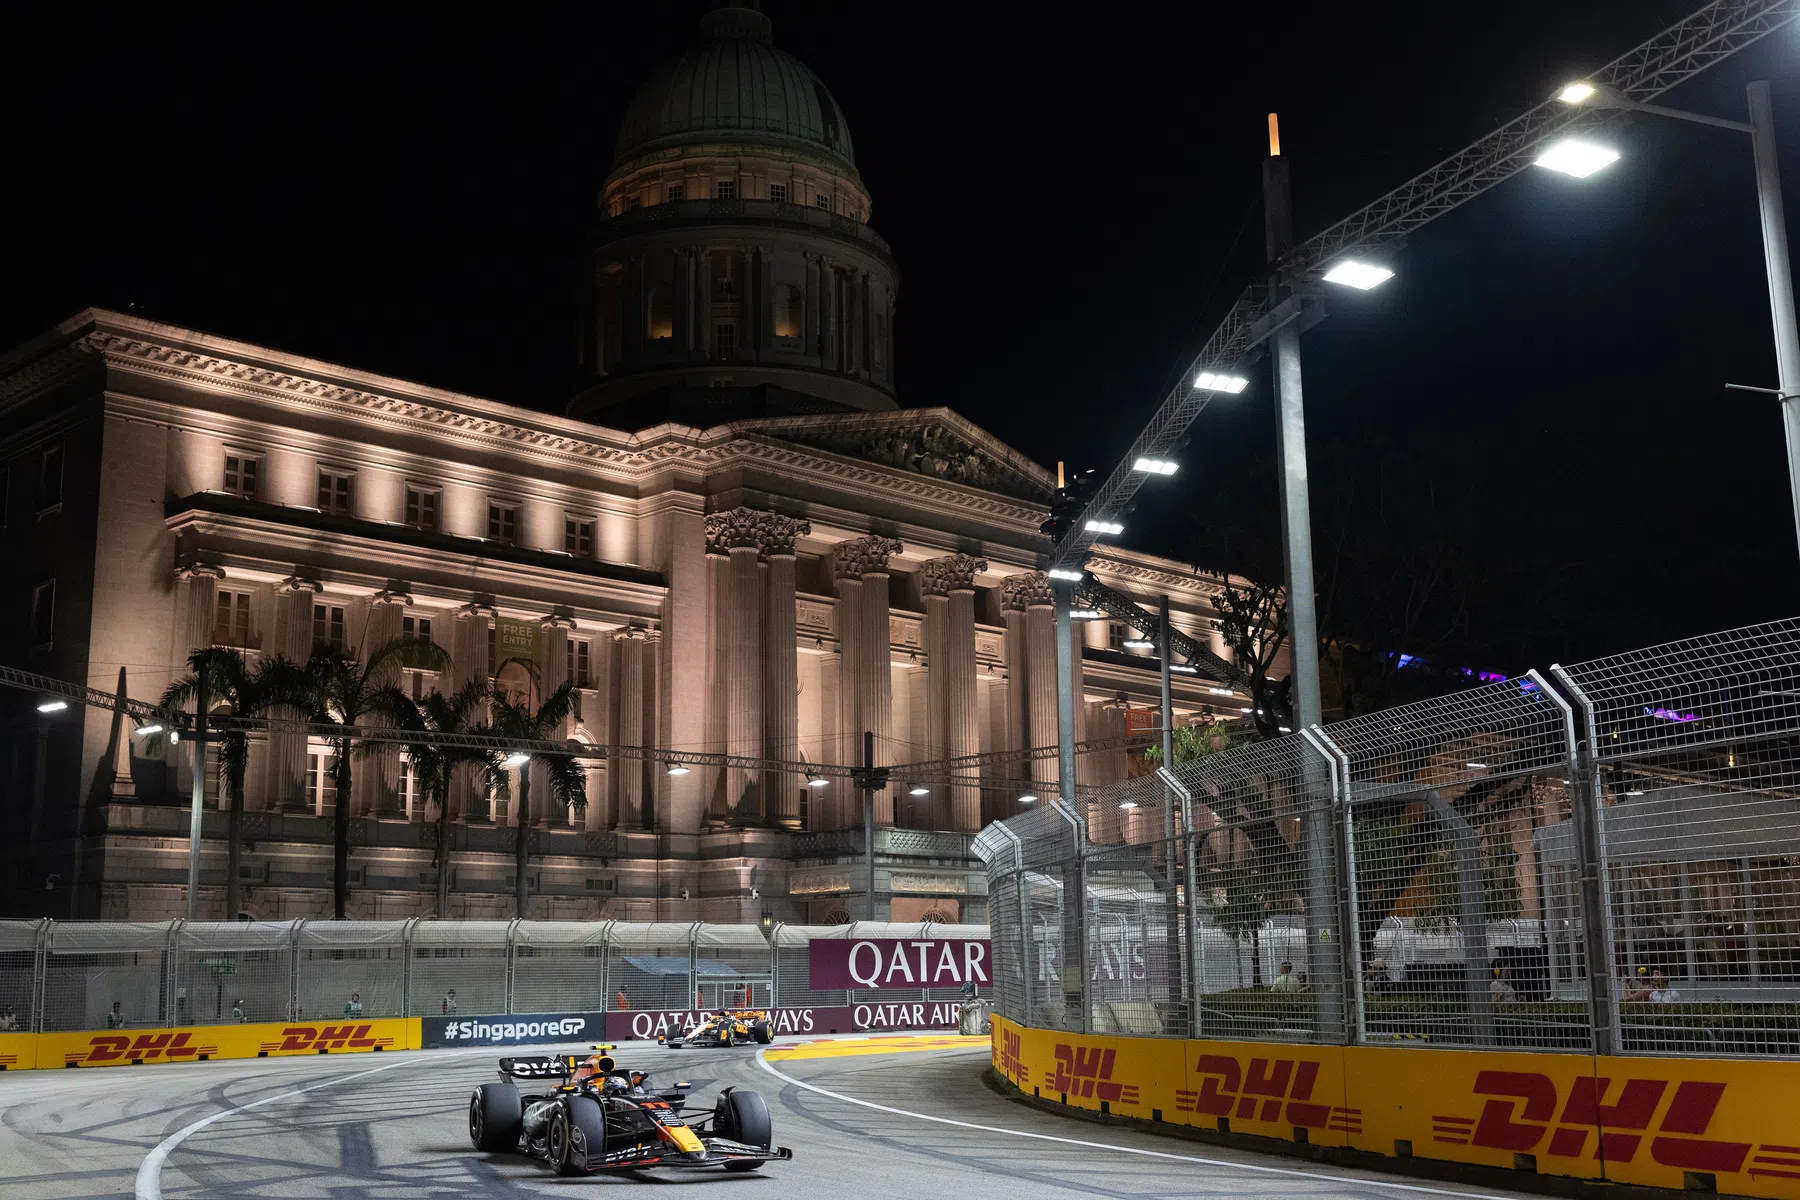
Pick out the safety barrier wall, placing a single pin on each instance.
(66, 976)
(1720, 1124)
(1596, 859)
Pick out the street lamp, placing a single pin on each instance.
(1761, 128)
(1572, 156)
(1209, 381)
(1099, 526)
(1360, 275)
(676, 768)
(918, 789)
(818, 781)
(52, 706)
(147, 730)
(1156, 466)
(518, 759)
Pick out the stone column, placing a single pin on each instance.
(718, 671)
(738, 535)
(1012, 723)
(846, 748)
(625, 776)
(1030, 591)
(870, 666)
(468, 663)
(378, 793)
(821, 805)
(781, 673)
(553, 672)
(656, 782)
(292, 639)
(949, 585)
(200, 590)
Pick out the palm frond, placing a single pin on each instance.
(421, 654)
(568, 780)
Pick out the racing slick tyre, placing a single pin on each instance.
(495, 1116)
(569, 1154)
(763, 1032)
(746, 1120)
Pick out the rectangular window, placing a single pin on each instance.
(328, 626)
(491, 648)
(241, 472)
(321, 781)
(725, 341)
(416, 627)
(677, 191)
(334, 492)
(50, 478)
(43, 612)
(422, 508)
(404, 792)
(778, 192)
(231, 619)
(821, 200)
(633, 202)
(578, 664)
(578, 537)
(503, 524)
(725, 189)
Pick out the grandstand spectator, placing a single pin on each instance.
(115, 1019)
(1285, 982)
(1375, 976)
(353, 1007)
(1642, 990)
(237, 1010)
(621, 1000)
(1500, 991)
(1660, 991)
(9, 1020)
(449, 1003)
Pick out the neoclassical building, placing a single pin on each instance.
(736, 540)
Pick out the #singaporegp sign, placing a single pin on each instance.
(868, 964)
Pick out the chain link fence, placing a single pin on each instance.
(1604, 858)
(58, 976)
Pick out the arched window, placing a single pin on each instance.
(789, 313)
(659, 319)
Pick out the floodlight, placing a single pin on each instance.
(1219, 691)
(1156, 466)
(677, 769)
(517, 760)
(174, 737)
(1105, 527)
(1138, 644)
(1028, 798)
(1246, 709)
(818, 781)
(1066, 576)
(146, 730)
(1128, 804)
(1476, 766)
(1085, 614)
(50, 706)
(1571, 156)
(918, 789)
(1359, 275)
(1576, 93)
(1208, 381)
(1183, 669)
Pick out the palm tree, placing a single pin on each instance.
(512, 719)
(247, 692)
(341, 691)
(432, 765)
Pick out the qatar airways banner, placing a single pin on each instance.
(869, 963)
(851, 1018)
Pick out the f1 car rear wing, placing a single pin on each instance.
(538, 1066)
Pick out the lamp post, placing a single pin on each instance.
(1761, 128)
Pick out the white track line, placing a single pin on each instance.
(149, 1176)
(1187, 1158)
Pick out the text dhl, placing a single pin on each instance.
(327, 1037)
(144, 1047)
(1518, 1118)
(1265, 1091)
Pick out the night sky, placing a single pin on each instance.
(1536, 396)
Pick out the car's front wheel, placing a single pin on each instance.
(745, 1117)
(578, 1136)
(763, 1032)
(495, 1116)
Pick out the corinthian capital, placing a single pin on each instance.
(1027, 589)
(779, 533)
(952, 573)
(864, 556)
(766, 532)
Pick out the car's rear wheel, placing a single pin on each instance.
(763, 1032)
(745, 1117)
(495, 1116)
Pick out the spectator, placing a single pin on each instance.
(449, 1004)
(353, 1008)
(621, 1000)
(1500, 991)
(115, 1019)
(1375, 976)
(9, 1020)
(1285, 982)
(237, 1010)
(1642, 990)
(1660, 991)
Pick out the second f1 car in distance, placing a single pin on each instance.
(587, 1116)
(730, 1027)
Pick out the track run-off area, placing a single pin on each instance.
(897, 1117)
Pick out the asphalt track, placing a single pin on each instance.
(912, 1124)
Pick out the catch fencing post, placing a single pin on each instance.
(406, 932)
(1076, 883)
(171, 974)
(1196, 957)
(1356, 1020)
(40, 966)
(1471, 916)
(510, 927)
(1590, 857)
(293, 1000)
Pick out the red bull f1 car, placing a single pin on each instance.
(732, 1027)
(585, 1115)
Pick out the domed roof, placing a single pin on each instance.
(734, 86)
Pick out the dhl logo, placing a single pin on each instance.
(1083, 1071)
(1264, 1091)
(1012, 1056)
(325, 1038)
(1517, 1117)
(145, 1047)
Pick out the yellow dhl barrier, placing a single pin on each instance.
(199, 1043)
(1657, 1122)
(18, 1051)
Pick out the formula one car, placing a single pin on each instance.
(732, 1027)
(585, 1115)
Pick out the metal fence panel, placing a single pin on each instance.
(467, 958)
(652, 965)
(19, 974)
(342, 963)
(560, 966)
(224, 968)
(90, 968)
